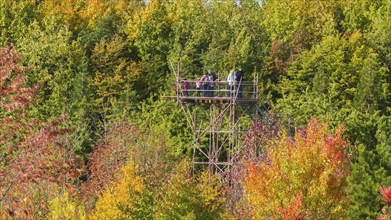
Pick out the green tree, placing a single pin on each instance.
(371, 170)
(190, 34)
(332, 79)
(15, 16)
(187, 197)
(113, 78)
(166, 118)
(60, 64)
(150, 31)
(291, 28)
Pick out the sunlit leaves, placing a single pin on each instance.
(96, 60)
(305, 174)
(67, 10)
(108, 157)
(334, 78)
(118, 200)
(64, 206)
(60, 65)
(187, 197)
(15, 16)
(314, 19)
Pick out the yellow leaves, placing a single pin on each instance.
(190, 197)
(88, 11)
(153, 17)
(312, 163)
(139, 18)
(210, 190)
(93, 10)
(118, 201)
(287, 18)
(114, 72)
(64, 207)
(67, 9)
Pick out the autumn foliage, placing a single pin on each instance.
(301, 176)
(36, 160)
(86, 133)
(386, 193)
(386, 210)
(108, 157)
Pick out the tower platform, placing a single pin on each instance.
(217, 132)
(216, 100)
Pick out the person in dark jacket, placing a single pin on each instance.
(205, 84)
(238, 79)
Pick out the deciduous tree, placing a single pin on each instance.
(301, 176)
(36, 159)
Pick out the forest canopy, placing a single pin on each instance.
(86, 133)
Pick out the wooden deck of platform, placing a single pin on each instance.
(216, 100)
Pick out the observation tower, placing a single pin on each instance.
(218, 117)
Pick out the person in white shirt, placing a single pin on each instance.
(231, 82)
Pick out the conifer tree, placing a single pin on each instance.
(371, 170)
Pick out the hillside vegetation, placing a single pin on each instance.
(85, 132)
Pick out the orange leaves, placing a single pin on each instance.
(293, 210)
(300, 174)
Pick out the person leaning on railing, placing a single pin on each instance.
(231, 82)
(205, 85)
(186, 87)
(239, 78)
(212, 79)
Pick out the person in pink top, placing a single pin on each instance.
(186, 87)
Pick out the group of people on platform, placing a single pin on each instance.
(206, 83)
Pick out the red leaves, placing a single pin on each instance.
(13, 96)
(334, 146)
(109, 156)
(37, 155)
(73, 173)
(383, 218)
(386, 193)
(293, 209)
(40, 164)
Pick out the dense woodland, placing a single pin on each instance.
(86, 134)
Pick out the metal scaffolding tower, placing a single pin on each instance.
(218, 116)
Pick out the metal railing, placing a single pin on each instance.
(218, 88)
